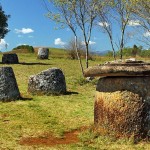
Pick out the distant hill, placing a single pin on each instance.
(55, 52)
(100, 53)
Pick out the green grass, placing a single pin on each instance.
(54, 114)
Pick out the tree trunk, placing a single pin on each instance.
(87, 55)
(76, 47)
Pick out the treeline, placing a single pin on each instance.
(131, 52)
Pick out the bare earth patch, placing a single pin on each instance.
(50, 140)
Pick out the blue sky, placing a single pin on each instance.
(29, 25)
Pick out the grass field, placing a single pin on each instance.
(30, 123)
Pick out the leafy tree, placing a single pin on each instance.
(141, 10)
(126, 52)
(109, 54)
(135, 51)
(114, 13)
(132, 52)
(103, 17)
(75, 14)
(3, 23)
(85, 15)
(145, 53)
(64, 16)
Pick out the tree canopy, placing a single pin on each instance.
(110, 15)
(3, 23)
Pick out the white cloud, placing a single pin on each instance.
(3, 44)
(90, 43)
(58, 41)
(24, 30)
(147, 34)
(102, 24)
(134, 23)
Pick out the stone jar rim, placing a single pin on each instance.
(138, 68)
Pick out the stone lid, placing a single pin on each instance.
(127, 68)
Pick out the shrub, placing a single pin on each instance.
(27, 47)
(72, 50)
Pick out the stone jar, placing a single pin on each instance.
(43, 53)
(122, 101)
(50, 81)
(122, 105)
(10, 59)
(8, 85)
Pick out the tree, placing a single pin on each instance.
(71, 47)
(3, 23)
(135, 50)
(103, 13)
(65, 17)
(111, 14)
(141, 11)
(85, 15)
(76, 14)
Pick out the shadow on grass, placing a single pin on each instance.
(70, 93)
(29, 98)
(25, 63)
(17, 99)
(38, 63)
(25, 98)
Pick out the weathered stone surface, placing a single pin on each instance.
(136, 68)
(10, 59)
(120, 113)
(51, 81)
(43, 53)
(122, 102)
(8, 85)
(138, 85)
(122, 105)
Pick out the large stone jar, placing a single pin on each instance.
(8, 85)
(122, 101)
(50, 81)
(10, 59)
(43, 53)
